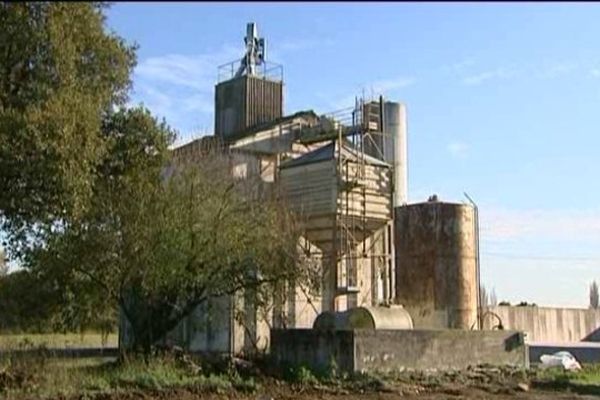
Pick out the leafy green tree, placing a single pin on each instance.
(91, 209)
(61, 71)
(157, 242)
(27, 304)
(136, 153)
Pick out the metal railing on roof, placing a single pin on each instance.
(347, 120)
(266, 70)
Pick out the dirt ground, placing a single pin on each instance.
(481, 382)
(473, 384)
(290, 394)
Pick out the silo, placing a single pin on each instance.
(436, 264)
(395, 148)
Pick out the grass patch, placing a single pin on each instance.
(57, 340)
(36, 377)
(585, 381)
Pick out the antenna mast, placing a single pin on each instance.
(256, 51)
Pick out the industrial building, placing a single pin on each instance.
(344, 175)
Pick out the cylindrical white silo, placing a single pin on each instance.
(396, 148)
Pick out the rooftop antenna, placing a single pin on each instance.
(256, 51)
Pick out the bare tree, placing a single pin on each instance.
(484, 298)
(493, 298)
(594, 298)
(3, 263)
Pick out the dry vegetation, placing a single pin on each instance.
(179, 376)
(57, 340)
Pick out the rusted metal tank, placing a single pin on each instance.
(393, 317)
(436, 263)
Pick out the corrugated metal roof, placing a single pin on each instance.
(329, 152)
(268, 125)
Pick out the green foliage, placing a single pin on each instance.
(77, 260)
(585, 381)
(29, 341)
(94, 215)
(40, 377)
(30, 302)
(590, 374)
(303, 375)
(60, 73)
(21, 311)
(159, 241)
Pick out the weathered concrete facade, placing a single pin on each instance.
(386, 350)
(436, 264)
(545, 324)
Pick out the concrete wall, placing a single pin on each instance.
(371, 350)
(544, 324)
(314, 349)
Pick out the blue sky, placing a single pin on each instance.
(503, 103)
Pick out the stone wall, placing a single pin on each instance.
(380, 350)
(545, 324)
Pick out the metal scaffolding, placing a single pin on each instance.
(357, 239)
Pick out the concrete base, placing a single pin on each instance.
(385, 350)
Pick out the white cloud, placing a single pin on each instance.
(545, 256)
(479, 78)
(296, 44)
(458, 67)
(199, 103)
(458, 149)
(153, 99)
(595, 72)
(558, 225)
(383, 87)
(539, 71)
(180, 87)
(556, 70)
(387, 85)
(194, 71)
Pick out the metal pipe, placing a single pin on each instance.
(477, 265)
